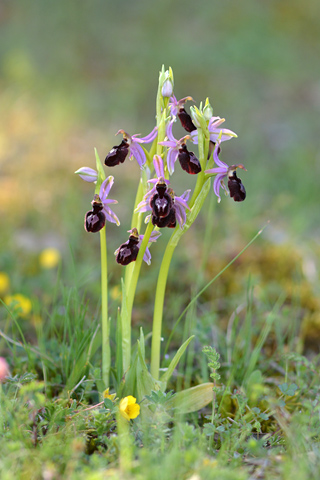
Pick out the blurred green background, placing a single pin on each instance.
(73, 73)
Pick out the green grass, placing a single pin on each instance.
(266, 408)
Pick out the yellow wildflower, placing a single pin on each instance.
(110, 396)
(129, 408)
(4, 283)
(20, 304)
(49, 258)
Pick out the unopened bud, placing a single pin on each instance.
(208, 110)
(167, 88)
(87, 174)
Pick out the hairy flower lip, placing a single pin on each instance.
(134, 148)
(179, 203)
(223, 170)
(134, 235)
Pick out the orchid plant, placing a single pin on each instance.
(156, 197)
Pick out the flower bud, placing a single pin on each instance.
(208, 110)
(167, 88)
(87, 174)
(198, 118)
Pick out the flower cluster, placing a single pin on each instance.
(167, 210)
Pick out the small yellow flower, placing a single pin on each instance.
(4, 283)
(129, 408)
(20, 304)
(49, 258)
(110, 396)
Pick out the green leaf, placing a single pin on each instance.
(142, 344)
(125, 329)
(209, 429)
(288, 390)
(221, 428)
(128, 386)
(283, 388)
(291, 390)
(264, 416)
(145, 382)
(174, 362)
(82, 361)
(192, 399)
(108, 403)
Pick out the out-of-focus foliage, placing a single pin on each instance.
(73, 73)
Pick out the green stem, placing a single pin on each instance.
(163, 275)
(130, 293)
(158, 310)
(135, 223)
(203, 148)
(106, 354)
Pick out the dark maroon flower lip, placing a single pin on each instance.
(128, 251)
(130, 147)
(188, 161)
(161, 202)
(117, 154)
(235, 186)
(179, 204)
(96, 218)
(173, 145)
(186, 120)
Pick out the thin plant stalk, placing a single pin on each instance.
(130, 291)
(165, 265)
(106, 353)
(158, 310)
